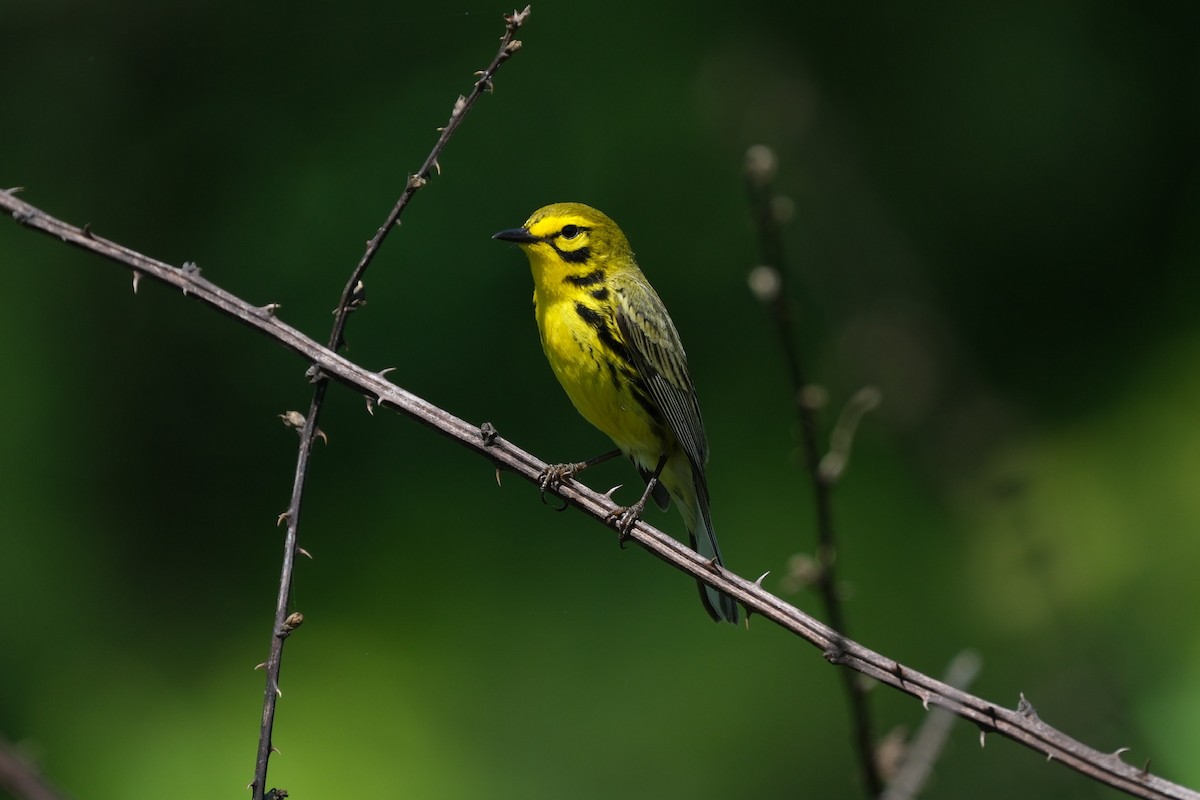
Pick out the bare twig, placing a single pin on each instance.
(768, 282)
(1021, 725)
(21, 779)
(353, 297)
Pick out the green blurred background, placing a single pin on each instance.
(995, 221)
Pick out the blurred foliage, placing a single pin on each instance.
(994, 220)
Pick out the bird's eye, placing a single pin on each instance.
(569, 231)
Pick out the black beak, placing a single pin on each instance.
(518, 235)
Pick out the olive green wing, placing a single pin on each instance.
(657, 354)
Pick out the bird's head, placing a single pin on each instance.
(565, 237)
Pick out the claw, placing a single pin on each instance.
(555, 475)
(625, 519)
(563, 507)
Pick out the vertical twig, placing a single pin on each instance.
(352, 298)
(768, 283)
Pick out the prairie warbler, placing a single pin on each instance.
(615, 351)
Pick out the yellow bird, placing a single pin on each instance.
(615, 351)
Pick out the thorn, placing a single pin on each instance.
(385, 371)
(712, 566)
(1049, 757)
(269, 309)
(925, 702)
(609, 493)
(278, 693)
(275, 749)
(498, 478)
(898, 671)
(982, 738)
(370, 405)
(282, 518)
(292, 419)
(15, 190)
(1146, 768)
(137, 278)
(1118, 752)
(87, 231)
(304, 553)
(758, 582)
(260, 666)
(321, 433)
(437, 166)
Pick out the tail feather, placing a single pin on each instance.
(694, 509)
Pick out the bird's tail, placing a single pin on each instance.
(693, 505)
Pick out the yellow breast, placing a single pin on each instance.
(594, 379)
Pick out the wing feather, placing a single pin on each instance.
(658, 355)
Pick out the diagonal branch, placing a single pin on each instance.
(1021, 724)
(923, 751)
(352, 298)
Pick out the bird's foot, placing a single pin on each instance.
(555, 475)
(625, 519)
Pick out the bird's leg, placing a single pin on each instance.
(555, 475)
(627, 517)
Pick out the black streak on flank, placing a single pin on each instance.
(579, 256)
(596, 321)
(600, 294)
(590, 279)
(592, 317)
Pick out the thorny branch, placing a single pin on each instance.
(1021, 724)
(353, 297)
(919, 756)
(768, 284)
